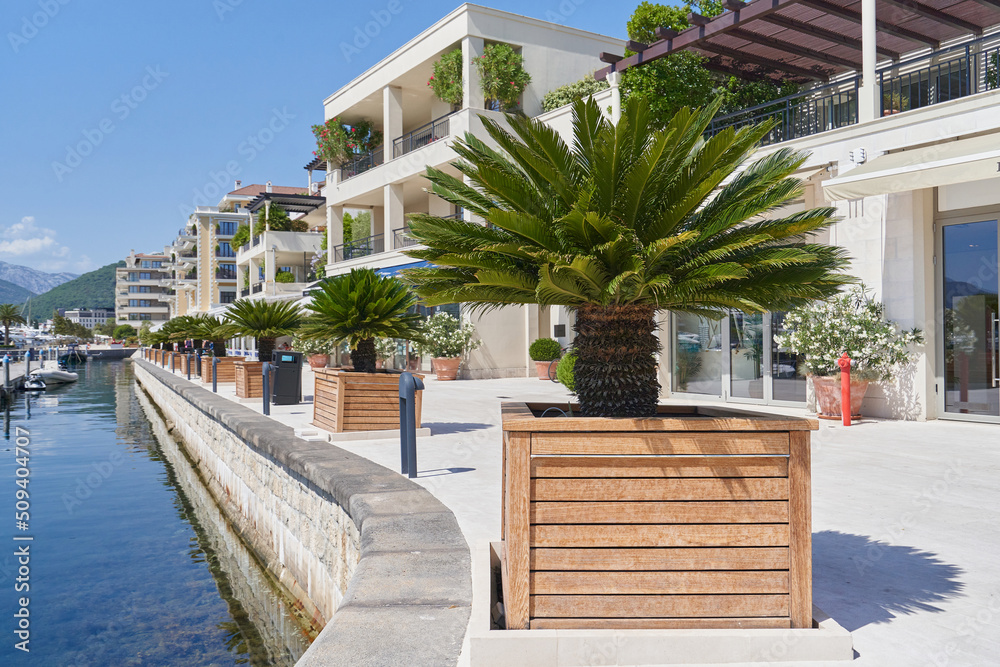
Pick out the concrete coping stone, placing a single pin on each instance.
(413, 582)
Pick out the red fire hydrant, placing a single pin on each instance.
(845, 387)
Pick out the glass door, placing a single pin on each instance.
(971, 322)
(746, 356)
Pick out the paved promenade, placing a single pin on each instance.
(906, 516)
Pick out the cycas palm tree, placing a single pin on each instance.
(10, 314)
(627, 221)
(357, 308)
(265, 321)
(210, 328)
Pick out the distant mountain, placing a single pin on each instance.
(91, 290)
(11, 293)
(32, 280)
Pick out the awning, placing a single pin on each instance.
(947, 163)
(394, 270)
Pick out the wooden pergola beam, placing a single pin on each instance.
(883, 26)
(735, 71)
(828, 35)
(921, 9)
(697, 34)
(789, 47)
(993, 4)
(609, 58)
(763, 62)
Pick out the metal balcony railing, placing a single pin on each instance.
(947, 74)
(362, 163)
(401, 238)
(439, 128)
(223, 274)
(370, 245)
(256, 288)
(256, 241)
(245, 291)
(225, 252)
(798, 115)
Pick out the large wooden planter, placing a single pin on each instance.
(226, 369)
(182, 363)
(249, 379)
(349, 401)
(699, 518)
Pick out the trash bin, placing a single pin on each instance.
(286, 388)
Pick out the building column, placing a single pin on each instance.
(869, 102)
(378, 221)
(393, 207)
(614, 80)
(334, 231)
(472, 92)
(392, 119)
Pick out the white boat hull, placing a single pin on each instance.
(56, 376)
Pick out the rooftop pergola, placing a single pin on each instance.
(291, 203)
(812, 40)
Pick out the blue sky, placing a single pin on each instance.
(116, 116)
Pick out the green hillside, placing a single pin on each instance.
(11, 293)
(91, 290)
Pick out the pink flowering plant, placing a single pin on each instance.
(447, 80)
(501, 76)
(337, 141)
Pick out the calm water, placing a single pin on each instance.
(131, 563)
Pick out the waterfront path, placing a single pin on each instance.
(906, 515)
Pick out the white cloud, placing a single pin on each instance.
(26, 243)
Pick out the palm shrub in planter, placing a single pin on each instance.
(626, 221)
(854, 323)
(445, 340)
(265, 321)
(544, 352)
(357, 308)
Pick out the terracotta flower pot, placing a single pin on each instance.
(318, 360)
(828, 396)
(546, 369)
(446, 368)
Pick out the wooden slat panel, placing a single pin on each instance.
(660, 489)
(371, 412)
(673, 606)
(647, 583)
(708, 558)
(800, 517)
(518, 446)
(656, 623)
(764, 511)
(675, 444)
(677, 535)
(659, 466)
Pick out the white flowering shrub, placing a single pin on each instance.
(445, 336)
(851, 323)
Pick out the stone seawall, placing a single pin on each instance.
(376, 557)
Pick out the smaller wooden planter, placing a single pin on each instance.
(182, 363)
(249, 379)
(349, 401)
(226, 369)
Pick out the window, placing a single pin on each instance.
(145, 316)
(133, 277)
(227, 228)
(227, 297)
(145, 275)
(133, 316)
(139, 289)
(157, 265)
(145, 263)
(225, 250)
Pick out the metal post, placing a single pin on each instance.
(27, 362)
(6, 372)
(408, 387)
(197, 365)
(171, 361)
(189, 366)
(845, 388)
(266, 370)
(215, 386)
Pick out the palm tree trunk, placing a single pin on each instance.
(615, 371)
(218, 348)
(265, 346)
(363, 357)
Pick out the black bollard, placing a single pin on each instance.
(266, 370)
(408, 387)
(215, 386)
(189, 366)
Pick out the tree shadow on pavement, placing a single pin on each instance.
(858, 580)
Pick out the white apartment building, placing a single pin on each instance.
(140, 291)
(89, 317)
(419, 130)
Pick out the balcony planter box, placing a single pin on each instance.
(349, 401)
(697, 518)
(182, 363)
(226, 369)
(249, 379)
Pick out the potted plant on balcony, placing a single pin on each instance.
(854, 323)
(241, 237)
(284, 277)
(265, 321)
(626, 221)
(446, 82)
(446, 340)
(357, 308)
(337, 141)
(501, 76)
(317, 352)
(545, 352)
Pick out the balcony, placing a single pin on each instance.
(946, 74)
(256, 288)
(361, 164)
(223, 274)
(281, 242)
(400, 238)
(439, 128)
(245, 292)
(370, 245)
